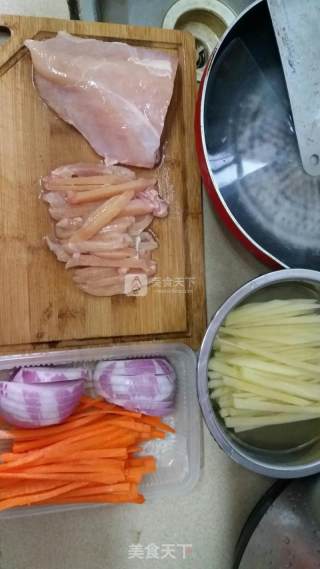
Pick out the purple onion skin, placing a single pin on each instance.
(156, 412)
(49, 374)
(13, 420)
(138, 366)
(39, 405)
(146, 385)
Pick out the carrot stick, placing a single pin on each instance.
(8, 456)
(79, 449)
(156, 422)
(130, 424)
(54, 449)
(87, 401)
(97, 413)
(27, 434)
(114, 496)
(101, 489)
(146, 462)
(98, 478)
(104, 430)
(124, 440)
(135, 461)
(111, 442)
(108, 431)
(42, 443)
(81, 455)
(28, 499)
(134, 474)
(101, 404)
(26, 487)
(103, 499)
(94, 454)
(156, 434)
(106, 466)
(48, 454)
(134, 448)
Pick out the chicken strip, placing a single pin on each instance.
(108, 191)
(102, 216)
(71, 173)
(94, 261)
(117, 242)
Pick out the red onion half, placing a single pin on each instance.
(145, 385)
(39, 405)
(50, 374)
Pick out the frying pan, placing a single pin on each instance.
(248, 151)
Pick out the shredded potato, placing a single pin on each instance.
(265, 367)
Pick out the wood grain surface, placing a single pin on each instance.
(40, 307)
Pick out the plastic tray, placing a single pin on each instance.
(178, 456)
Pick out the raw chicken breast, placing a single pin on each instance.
(115, 94)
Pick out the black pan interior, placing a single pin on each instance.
(252, 147)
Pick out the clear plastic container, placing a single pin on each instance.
(178, 455)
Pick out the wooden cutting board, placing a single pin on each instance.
(39, 305)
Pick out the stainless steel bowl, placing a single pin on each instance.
(279, 452)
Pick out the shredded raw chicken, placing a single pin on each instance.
(102, 217)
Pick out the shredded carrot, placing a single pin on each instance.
(66, 443)
(157, 434)
(134, 448)
(125, 498)
(135, 473)
(97, 477)
(78, 421)
(33, 498)
(101, 489)
(89, 454)
(103, 426)
(88, 458)
(26, 487)
(87, 402)
(108, 465)
(76, 456)
(110, 407)
(8, 456)
(156, 422)
(130, 424)
(147, 462)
